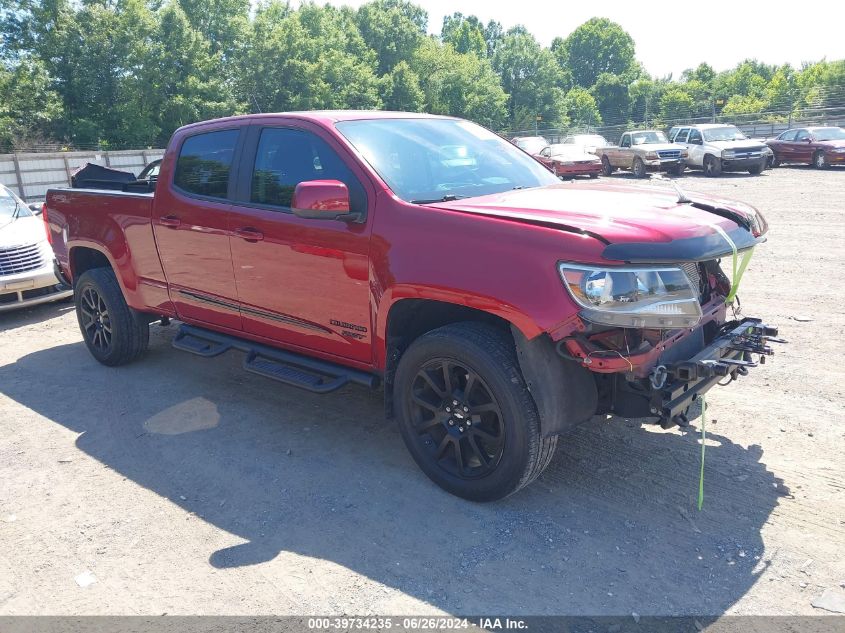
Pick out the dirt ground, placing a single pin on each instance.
(182, 485)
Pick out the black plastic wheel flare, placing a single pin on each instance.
(457, 419)
(95, 319)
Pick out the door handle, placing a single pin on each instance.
(170, 221)
(250, 234)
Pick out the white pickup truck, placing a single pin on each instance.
(717, 147)
(642, 151)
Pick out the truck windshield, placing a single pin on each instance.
(829, 134)
(647, 138)
(429, 160)
(728, 133)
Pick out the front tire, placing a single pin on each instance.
(466, 415)
(113, 332)
(756, 170)
(638, 168)
(820, 160)
(712, 166)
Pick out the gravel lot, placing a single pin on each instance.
(186, 486)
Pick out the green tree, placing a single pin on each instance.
(29, 107)
(402, 90)
(465, 34)
(532, 78)
(597, 46)
(459, 84)
(675, 104)
(184, 78)
(393, 29)
(311, 58)
(581, 108)
(221, 22)
(612, 98)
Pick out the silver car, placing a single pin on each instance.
(28, 271)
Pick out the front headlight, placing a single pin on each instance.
(684, 153)
(657, 297)
(728, 153)
(651, 156)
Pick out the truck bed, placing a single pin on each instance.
(114, 223)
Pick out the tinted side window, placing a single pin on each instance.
(694, 136)
(204, 163)
(789, 135)
(286, 157)
(802, 135)
(626, 141)
(681, 137)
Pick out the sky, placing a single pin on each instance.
(673, 36)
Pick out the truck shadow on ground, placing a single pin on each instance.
(13, 319)
(610, 528)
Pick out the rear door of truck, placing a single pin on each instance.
(190, 220)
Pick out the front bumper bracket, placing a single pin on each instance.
(727, 357)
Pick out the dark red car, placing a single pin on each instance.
(567, 161)
(817, 146)
(497, 307)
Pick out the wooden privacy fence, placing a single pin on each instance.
(31, 175)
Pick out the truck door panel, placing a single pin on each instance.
(191, 221)
(303, 282)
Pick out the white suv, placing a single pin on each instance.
(28, 272)
(717, 147)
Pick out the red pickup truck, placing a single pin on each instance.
(497, 306)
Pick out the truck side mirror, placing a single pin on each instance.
(36, 207)
(322, 200)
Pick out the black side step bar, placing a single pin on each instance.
(307, 373)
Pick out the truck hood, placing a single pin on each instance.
(737, 144)
(616, 213)
(659, 147)
(24, 231)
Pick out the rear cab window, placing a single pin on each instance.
(205, 163)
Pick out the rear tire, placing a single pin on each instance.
(114, 333)
(712, 166)
(638, 168)
(606, 167)
(593, 176)
(488, 445)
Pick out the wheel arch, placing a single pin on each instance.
(408, 318)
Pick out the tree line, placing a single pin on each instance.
(127, 73)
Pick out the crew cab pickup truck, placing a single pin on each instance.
(642, 151)
(497, 306)
(716, 148)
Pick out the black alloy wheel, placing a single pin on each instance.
(95, 320)
(457, 420)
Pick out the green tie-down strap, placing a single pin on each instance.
(703, 446)
(738, 266)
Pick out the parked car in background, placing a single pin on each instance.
(28, 271)
(587, 142)
(530, 144)
(817, 146)
(568, 161)
(642, 151)
(716, 147)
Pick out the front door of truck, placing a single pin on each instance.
(695, 148)
(301, 282)
(190, 221)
